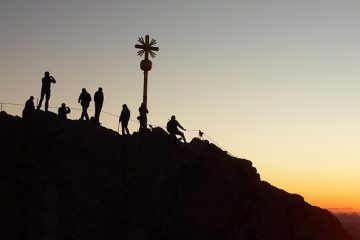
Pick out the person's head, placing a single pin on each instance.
(173, 117)
(83, 90)
(63, 105)
(32, 98)
(124, 106)
(47, 74)
(100, 89)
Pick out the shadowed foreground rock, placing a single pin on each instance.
(75, 180)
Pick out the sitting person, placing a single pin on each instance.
(29, 107)
(63, 111)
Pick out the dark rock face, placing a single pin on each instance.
(75, 180)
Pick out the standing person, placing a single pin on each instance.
(172, 128)
(29, 107)
(45, 90)
(84, 100)
(63, 111)
(143, 118)
(124, 119)
(98, 99)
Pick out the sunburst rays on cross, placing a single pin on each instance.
(147, 47)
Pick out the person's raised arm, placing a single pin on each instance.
(181, 127)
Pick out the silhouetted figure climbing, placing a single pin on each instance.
(63, 111)
(45, 90)
(29, 107)
(143, 118)
(124, 119)
(84, 100)
(172, 128)
(99, 100)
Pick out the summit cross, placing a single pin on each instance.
(146, 47)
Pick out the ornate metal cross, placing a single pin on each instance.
(146, 47)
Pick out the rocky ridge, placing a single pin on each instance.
(76, 180)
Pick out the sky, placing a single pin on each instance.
(272, 81)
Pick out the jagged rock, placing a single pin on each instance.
(77, 180)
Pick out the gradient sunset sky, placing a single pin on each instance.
(275, 82)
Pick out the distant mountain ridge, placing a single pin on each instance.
(76, 180)
(351, 222)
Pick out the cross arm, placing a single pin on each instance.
(139, 46)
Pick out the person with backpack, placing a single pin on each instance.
(84, 100)
(172, 128)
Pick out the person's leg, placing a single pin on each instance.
(41, 99)
(99, 112)
(86, 115)
(143, 122)
(126, 128)
(122, 128)
(47, 98)
(181, 135)
(96, 112)
(83, 112)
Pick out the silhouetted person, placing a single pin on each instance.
(124, 119)
(29, 107)
(98, 99)
(63, 111)
(172, 128)
(84, 100)
(45, 90)
(143, 118)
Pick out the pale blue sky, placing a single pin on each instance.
(276, 82)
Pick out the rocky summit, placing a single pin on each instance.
(75, 180)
